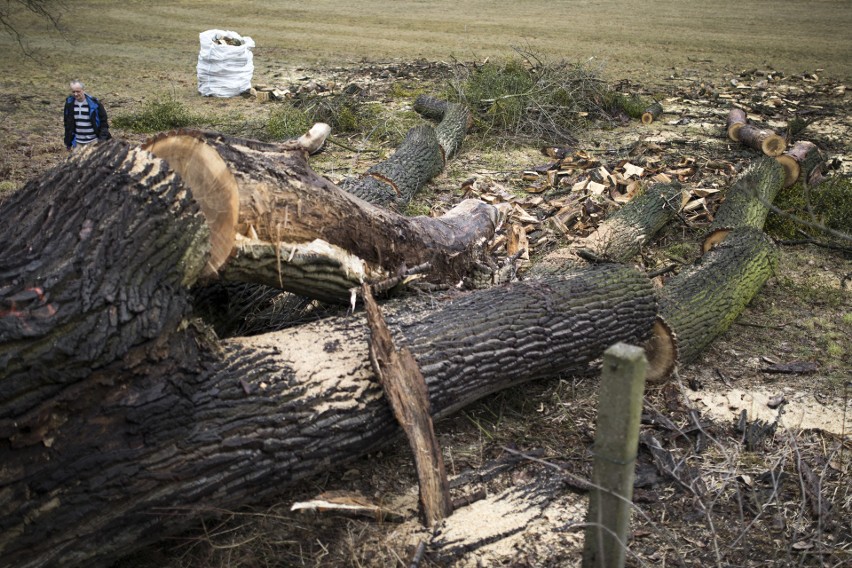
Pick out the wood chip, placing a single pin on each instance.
(596, 188)
(631, 170)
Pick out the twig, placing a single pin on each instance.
(418, 555)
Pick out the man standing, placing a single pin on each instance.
(85, 118)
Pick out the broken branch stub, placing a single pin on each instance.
(405, 388)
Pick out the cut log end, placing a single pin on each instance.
(313, 139)
(803, 160)
(652, 113)
(661, 351)
(734, 131)
(736, 120)
(714, 239)
(212, 184)
(791, 169)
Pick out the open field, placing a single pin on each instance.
(688, 54)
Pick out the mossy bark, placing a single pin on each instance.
(747, 201)
(702, 302)
(621, 236)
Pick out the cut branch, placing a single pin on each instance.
(762, 140)
(652, 113)
(736, 120)
(298, 232)
(803, 160)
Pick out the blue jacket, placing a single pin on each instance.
(97, 114)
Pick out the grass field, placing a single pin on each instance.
(122, 46)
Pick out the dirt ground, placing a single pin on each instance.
(772, 490)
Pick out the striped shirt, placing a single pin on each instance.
(84, 128)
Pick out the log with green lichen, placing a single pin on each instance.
(747, 201)
(702, 302)
(621, 236)
(699, 304)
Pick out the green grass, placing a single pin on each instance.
(158, 115)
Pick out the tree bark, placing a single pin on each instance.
(652, 113)
(747, 201)
(762, 140)
(422, 155)
(736, 120)
(298, 232)
(622, 235)
(181, 424)
(802, 160)
(122, 418)
(701, 303)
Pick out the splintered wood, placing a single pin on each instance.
(406, 391)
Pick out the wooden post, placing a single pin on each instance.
(616, 442)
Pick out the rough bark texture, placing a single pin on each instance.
(702, 302)
(83, 283)
(747, 201)
(122, 418)
(621, 236)
(181, 424)
(422, 155)
(393, 182)
(454, 120)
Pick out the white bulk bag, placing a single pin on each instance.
(224, 70)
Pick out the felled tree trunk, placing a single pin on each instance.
(747, 201)
(621, 236)
(422, 155)
(736, 120)
(122, 418)
(701, 303)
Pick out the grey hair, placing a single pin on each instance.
(78, 82)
